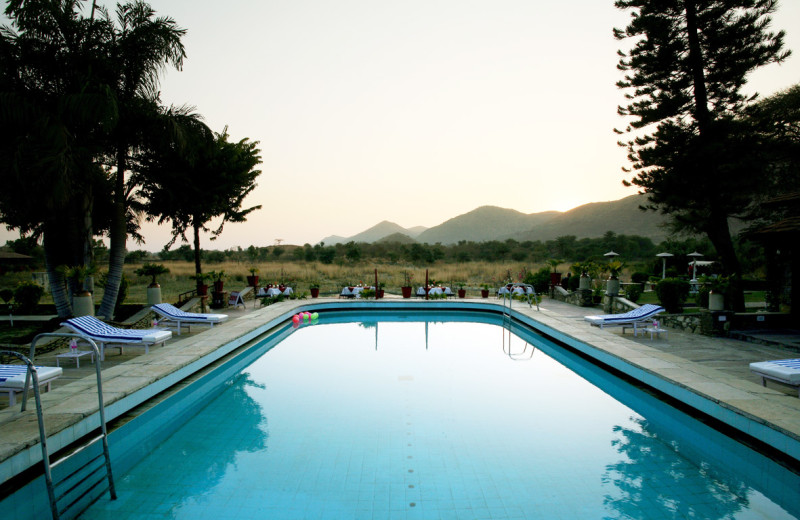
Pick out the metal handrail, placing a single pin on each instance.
(101, 412)
(525, 286)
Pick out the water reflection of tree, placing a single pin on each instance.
(652, 476)
(201, 453)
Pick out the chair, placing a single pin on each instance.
(630, 319)
(786, 371)
(104, 334)
(236, 298)
(172, 315)
(12, 379)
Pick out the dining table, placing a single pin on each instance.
(435, 291)
(354, 291)
(514, 290)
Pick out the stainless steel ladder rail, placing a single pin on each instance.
(101, 412)
(507, 325)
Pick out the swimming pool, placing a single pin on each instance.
(396, 416)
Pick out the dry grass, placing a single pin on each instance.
(301, 274)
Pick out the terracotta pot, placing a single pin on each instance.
(315, 292)
(484, 293)
(406, 292)
(380, 293)
(462, 293)
(555, 279)
(252, 281)
(202, 290)
(218, 285)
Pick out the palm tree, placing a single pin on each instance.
(141, 45)
(53, 114)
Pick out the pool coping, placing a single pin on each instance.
(71, 411)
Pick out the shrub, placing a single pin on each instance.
(27, 296)
(540, 280)
(639, 277)
(574, 282)
(672, 292)
(633, 292)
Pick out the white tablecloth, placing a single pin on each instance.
(435, 290)
(516, 290)
(355, 291)
(274, 291)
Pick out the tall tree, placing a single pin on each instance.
(207, 178)
(140, 45)
(54, 110)
(684, 75)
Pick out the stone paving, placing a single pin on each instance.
(715, 369)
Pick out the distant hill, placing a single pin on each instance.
(484, 223)
(375, 233)
(397, 237)
(623, 217)
(592, 220)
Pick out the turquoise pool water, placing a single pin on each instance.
(396, 417)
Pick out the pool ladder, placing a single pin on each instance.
(72, 487)
(523, 355)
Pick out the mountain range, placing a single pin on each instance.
(591, 220)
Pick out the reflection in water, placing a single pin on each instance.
(651, 475)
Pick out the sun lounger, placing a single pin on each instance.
(106, 335)
(171, 315)
(786, 371)
(631, 319)
(12, 379)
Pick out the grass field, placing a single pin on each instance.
(300, 275)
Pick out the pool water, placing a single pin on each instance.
(406, 418)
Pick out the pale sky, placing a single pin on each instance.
(415, 111)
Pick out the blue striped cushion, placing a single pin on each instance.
(13, 376)
(97, 330)
(642, 313)
(173, 312)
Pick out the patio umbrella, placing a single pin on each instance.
(695, 255)
(664, 257)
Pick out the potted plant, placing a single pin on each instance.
(462, 293)
(252, 280)
(219, 280)
(380, 289)
(154, 289)
(82, 302)
(614, 270)
(717, 287)
(201, 279)
(314, 288)
(585, 282)
(485, 290)
(406, 288)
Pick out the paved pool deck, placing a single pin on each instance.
(709, 374)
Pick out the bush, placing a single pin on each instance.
(574, 282)
(639, 277)
(27, 296)
(633, 292)
(672, 292)
(540, 280)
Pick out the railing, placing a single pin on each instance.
(186, 296)
(32, 374)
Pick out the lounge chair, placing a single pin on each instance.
(12, 379)
(631, 319)
(171, 315)
(785, 371)
(106, 335)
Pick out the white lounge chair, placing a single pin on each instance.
(786, 371)
(106, 335)
(171, 315)
(631, 319)
(12, 379)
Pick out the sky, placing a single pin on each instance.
(413, 112)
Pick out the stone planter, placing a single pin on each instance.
(585, 283)
(83, 305)
(612, 287)
(153, 294)
(716, 301)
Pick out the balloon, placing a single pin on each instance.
(305, 316)
(296, 318)
(295, 324)
(315, 316)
